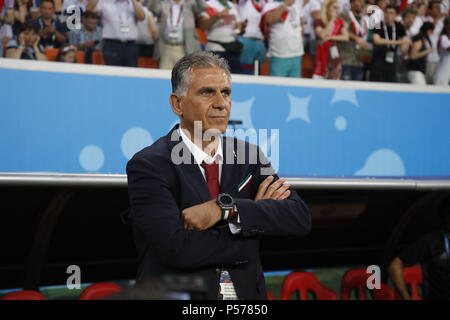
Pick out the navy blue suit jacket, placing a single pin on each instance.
(160, 189)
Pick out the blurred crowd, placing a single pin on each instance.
(403, 41)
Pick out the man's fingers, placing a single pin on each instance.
(285, 195)
(263, 187)
(273, 187)
(280, 191)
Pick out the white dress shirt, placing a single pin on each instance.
(115, 15)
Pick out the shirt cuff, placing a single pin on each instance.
(235, 223)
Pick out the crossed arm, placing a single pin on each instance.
(205, 215)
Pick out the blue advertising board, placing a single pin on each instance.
(67, 118)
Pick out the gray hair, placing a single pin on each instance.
(187, 64)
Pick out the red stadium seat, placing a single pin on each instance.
(304, 282)
(23, 295)
(412, 277)
(100, 291)
(51, 53)
(145, 62)
(97, 57)
(270, 296)
(357, 279)
(80, 56)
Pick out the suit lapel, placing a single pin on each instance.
(190, 171)
(230, 175)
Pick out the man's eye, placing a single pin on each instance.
(226, 93)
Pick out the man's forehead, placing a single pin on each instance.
(209, 76)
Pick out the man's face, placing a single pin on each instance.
(358, 5)
(91, 22)
(435, 9)
(208, 99)
(408, 20)
(390, 15)
(29, 36)
(47, 10)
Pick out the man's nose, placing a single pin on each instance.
(220, 102)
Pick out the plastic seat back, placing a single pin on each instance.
(413, 278)
(303, 282)
(356, 279)
(23, 295)
(100, 291)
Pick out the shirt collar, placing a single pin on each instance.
(199, 154)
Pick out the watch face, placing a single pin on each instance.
(226, 200)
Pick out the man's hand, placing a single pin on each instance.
(50, 29)
(36, 43)
(201, 216)
(362, 43)
(88, 44)
(276, 191)
(243, 27)
(21, 40)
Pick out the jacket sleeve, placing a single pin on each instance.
(155, 214)
(289, 217)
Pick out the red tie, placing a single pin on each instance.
(212, 178)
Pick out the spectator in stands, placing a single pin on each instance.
(253, 40)
(386, 39)
(7, 12)
(421, 47)
(58, 14)
(382, 4)
(438, 21)
(352, 63)
(53, 33)
(177, 34)
(22, 13)
(6, 21)
(330, 29)
(408, 19)
(222, 23)
(147, 33)
(311, 12)
(282, 25)
(432, 252)
(27, 45)
(67, 53)
(443, 71)
(421, 9)
(89, 37)
(119, 32)
(6, 34)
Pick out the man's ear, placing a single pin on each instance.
(175, 102)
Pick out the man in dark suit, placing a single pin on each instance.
(199, 201)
